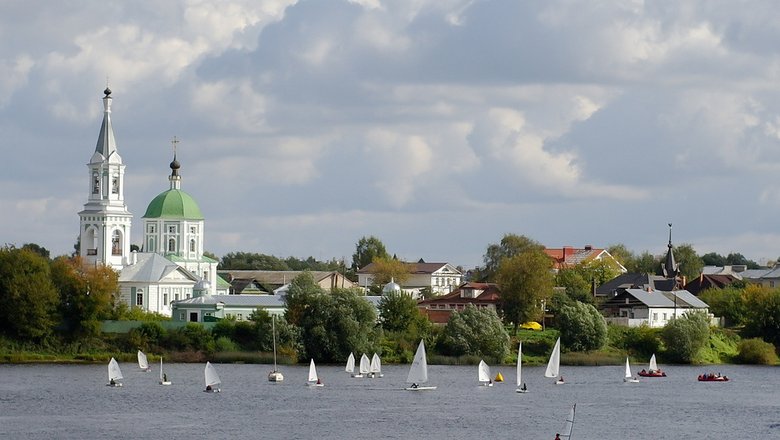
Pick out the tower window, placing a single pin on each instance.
(115, 185)
(116, 243)
(192, 245)
(95, 183)
(171, 245)
(139, 297)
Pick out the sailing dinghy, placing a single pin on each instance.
(554, 364)
(143, 363)
(212, 379)
(350, 368)
(628, 377)
(314, 380)
(114, 374)
(653, 370)
(376, 367)
(568, 427)
(521, 388)
(418, 372)
(163, 377)
(275, 375)
(483, 371)
(365, 365)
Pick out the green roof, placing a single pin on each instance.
(174, 203)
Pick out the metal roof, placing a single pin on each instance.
(151, 268)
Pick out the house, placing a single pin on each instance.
(480, 295)
(441, 278)
(568, 256)
(710, 281)
(269, 281)
(767, 277)
(655, 308)
(633, 280)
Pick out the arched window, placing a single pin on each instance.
(171, 245)
(192, 245)
(139, 297)
(116, 243)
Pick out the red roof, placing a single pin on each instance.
(568, 256)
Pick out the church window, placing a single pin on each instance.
(95, 183)
(165, 299)
(116, 243)
(150, 228)
(115, 185)
(171, 245)
(139, 297)
(192, 245)
(151, 245)
(172, 229)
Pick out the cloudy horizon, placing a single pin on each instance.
(437, 126)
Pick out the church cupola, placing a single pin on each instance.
(670, 267)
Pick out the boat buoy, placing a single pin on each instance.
(499, 377)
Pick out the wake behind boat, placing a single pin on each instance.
(418, 372)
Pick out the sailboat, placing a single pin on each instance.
(350, 368)
(163, 377)
(143, 363)
(483, 372)
(521, 388)
(554, 364)
(212, 379)
(114, 374)
(628, 377)
(365, 365)
(568, 427)
(376, 367)
(418, 372)
(275, 375)
(314, 380)
(653, 370)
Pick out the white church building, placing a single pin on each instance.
(171, 265)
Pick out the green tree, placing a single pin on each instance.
(573, 283)
(87, 295)
(510, 246)
(387, 269)
(762, 318)
(686, 336)
(38, 249)
(736, 258)
(582, 327)
(713, 259)
(477, 332)
(367, 250)
(525, 280)
(397, 311)
(621, 253)
(251, 261)
(728, 303)
(690, 262)
(28, 298)
(645, 263)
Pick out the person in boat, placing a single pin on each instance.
(414, 385)
(208, 388)
(561, 379)
(319, 382)
(165, 377)
(524, 388)
(643, 371)
(557, 437)
(490, 382)
(112, 382)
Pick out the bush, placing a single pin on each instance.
(756, 351)
(582, 327)
(476, 332)
(224, 344)
(685, 337)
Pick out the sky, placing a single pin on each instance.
(437, 126)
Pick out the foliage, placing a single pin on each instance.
(756, 351)
(734, 258)
(686, 336)
(525, 280)
(191, 337)
(621, 253)
(123, 312)
(574, 284)
(511, 245)
(582, 327)
(762, 319)
(721, 347)
(645, 263)
(639, 341)
(689, 261)
(385, 270)
(28, 298)
(255, 261)
(367, 250)
(397, 311)
(728, 303)
(475, 332)
(38, 249)
(87, 294)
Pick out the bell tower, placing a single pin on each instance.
(105, 222)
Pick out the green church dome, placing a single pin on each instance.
(174, 203)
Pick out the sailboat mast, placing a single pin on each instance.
(273, 327)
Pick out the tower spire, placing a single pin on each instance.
(670, 267)
(106, 143)
(175, 178)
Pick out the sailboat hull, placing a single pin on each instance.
(631, 380)
(275, 376)
(420, 388)
(315, 385)
(114, 385)
(521, 391)
(162, 382)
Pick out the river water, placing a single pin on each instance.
(72, 402)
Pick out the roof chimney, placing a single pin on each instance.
(588, 247)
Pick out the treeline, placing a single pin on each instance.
(256, 261)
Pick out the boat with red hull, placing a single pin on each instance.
(656, 373)
(713, 378)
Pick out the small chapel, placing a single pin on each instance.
(170, 265)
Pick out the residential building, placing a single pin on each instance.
(654, 308)
(568, 256)
(710, 281)
(480, 295)
(440, 278)
(270, 281)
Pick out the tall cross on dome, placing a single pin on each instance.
(174, 141)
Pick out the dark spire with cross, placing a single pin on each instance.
(175, 178)
(670, 267)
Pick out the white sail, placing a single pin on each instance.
(376, 365)
(161, 369)
(418, 372)
(163, 377)
(143, 363)
(350, 368)
(520, 364)
(653, 365)
(484, 371)
(212, 378)
(568, 427)
(553, 365)
(114, 373)
(365, 364)
(312, 372)
(628, 369)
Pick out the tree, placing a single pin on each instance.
(762, 319)
(27, 297)
(621, 253)
(524, 280)
(386, 269)
(582, 327)
(575, 286)
(397, 311)
(690, 262)
(251, 261)
(737, 259)
(686, 336)
(87, 294)
(477, 332)
(367, 250)
(510, 246)
(38, 249)
(645, 263)
(713, 259)
(728, 303)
